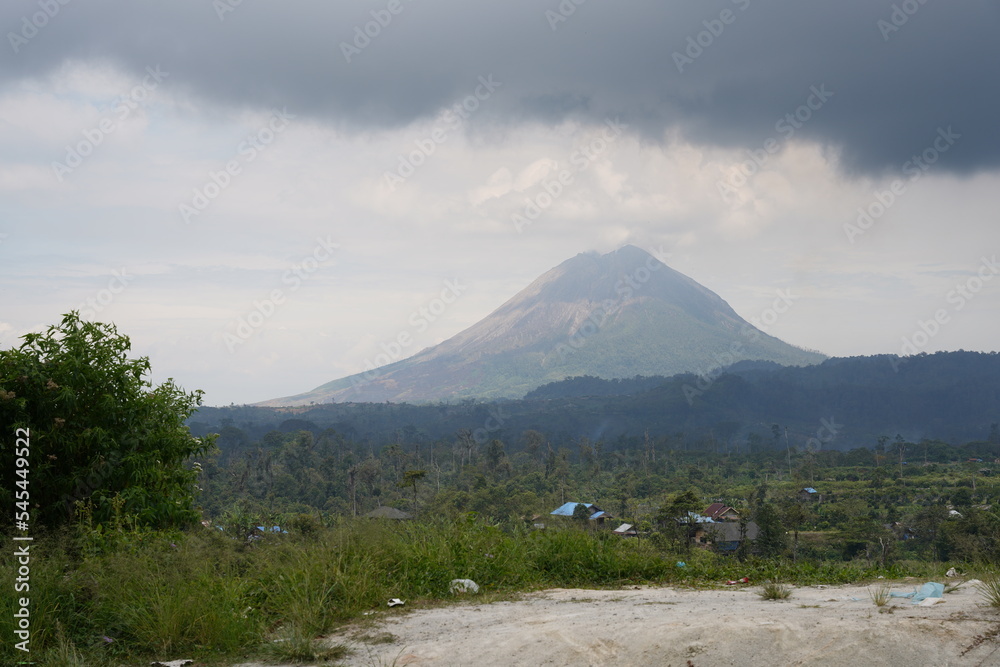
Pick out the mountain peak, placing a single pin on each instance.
(616, 315)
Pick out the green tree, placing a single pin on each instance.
(771, 539)
(99, 431)
(410, 479)
(675, 520)
(795, 515)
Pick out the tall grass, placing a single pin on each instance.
(881, 594)
(773, 590)
(206, 595)
(989, 590)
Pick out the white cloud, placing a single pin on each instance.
(450, 219)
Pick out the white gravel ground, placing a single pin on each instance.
(830, 626)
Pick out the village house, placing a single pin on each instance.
(725, 536)
(721, 512)
(594, 513)
(718, 527)
(386, 512)
(700, 533)
(810, 494)
(626, 530)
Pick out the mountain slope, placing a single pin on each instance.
(616, 315)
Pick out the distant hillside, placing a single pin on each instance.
(612, 316)
(952, 396)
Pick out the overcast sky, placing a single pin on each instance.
(264, 195)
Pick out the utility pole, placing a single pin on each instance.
(789, 450)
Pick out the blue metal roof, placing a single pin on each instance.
(272, 529)
(567, 510)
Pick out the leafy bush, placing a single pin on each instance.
(98, 430)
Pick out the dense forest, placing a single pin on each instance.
(923, 498)
(954, 397)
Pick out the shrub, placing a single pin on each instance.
(772, 590)
(989, 589)
(880, 595)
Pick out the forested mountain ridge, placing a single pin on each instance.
(949, 396)
(613, 316)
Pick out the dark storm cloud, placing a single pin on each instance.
(722, 72)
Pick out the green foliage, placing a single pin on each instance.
(973, 537)
(675, 521)
(771, 540)
(99, 431)
(989, 589)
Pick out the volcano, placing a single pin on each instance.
(617, 315)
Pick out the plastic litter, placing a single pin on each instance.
(681, 563)
(928, 590)
(930, 601)
(744, 580)
(172, 663)
(952, 572)
(395, 602)
(463, 586)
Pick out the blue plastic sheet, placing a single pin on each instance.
(929, 590)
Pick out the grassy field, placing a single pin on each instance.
(130, 597)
